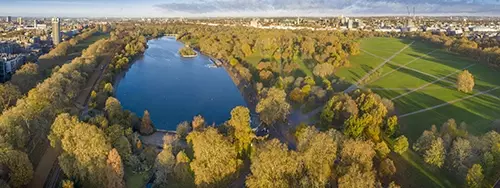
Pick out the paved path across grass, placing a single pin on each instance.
(354, 86)
(442, 79)
(430, 83)
(408, 68)
(406, 89)
(450, 102)
(416, 59)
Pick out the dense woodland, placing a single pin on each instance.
(301, 63)
(29, 75)
(349, 146)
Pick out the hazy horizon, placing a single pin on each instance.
(249, 8)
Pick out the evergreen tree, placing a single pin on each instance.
(146, 124)
(114, 170)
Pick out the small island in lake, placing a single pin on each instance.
(187, 51)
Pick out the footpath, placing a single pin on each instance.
(47, 172)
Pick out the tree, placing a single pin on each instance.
(393, 185)
(113, 110)
(436, 154)
(400, 144)
(183, 175)
(108, 88)
(391, 126)
(233, 61)
(475, 176)
(272, 166)
(183, 129)
(123, 147)
(382, 149)
(423, 143)
(356, 177)
(247, 50)
(318, 151)
(85, 150)
(26, 78)
(338, 109)
(242, 132)
(164, 165)
(265, 75)
(9, 96)
(387, 168)
(67, 184)
(297, 95)
(114, 170)
(146, 124)
(324, 70)
(198, 123)
(273, 107)
(460, 155)
(215, 158)
(355, 126)
(20, 168)
(358, 152)
(465, 82)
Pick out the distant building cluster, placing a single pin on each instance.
(23, 40)
(9, 63)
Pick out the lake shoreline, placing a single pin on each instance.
(166, 123)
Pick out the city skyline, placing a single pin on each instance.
(254, 8)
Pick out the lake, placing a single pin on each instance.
(175, 89)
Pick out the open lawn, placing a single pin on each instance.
(424, 76)
(420, 80)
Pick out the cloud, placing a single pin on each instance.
(329, 7)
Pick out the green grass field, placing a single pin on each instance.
(427, 80)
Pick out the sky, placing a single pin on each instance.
(244, 8)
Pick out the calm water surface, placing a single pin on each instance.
(174, 89)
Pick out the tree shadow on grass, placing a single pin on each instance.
(450, 59)
(356, 75)
(418, 75)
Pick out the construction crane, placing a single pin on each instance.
(413, 12)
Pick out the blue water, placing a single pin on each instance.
(175, 89)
